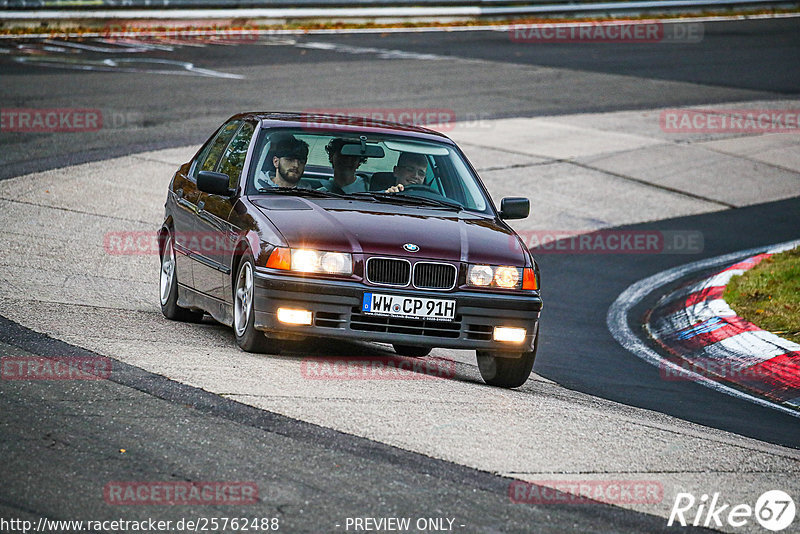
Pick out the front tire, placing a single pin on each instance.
(168, 282)
(247, 337)
(504, 372)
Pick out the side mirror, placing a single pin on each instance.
(215, 183)
(514, 208)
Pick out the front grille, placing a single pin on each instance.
(409, 327)
(388, 271)
(434, 275)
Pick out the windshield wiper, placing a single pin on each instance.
(300, 191)
(395, 198)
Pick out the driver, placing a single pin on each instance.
(411, 169)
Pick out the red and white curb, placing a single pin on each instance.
(706, 341)
(697, 327)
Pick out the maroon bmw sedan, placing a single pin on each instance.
(289, 225)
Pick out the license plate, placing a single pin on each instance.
(400, 306)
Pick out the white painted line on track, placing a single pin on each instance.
(382, 53)
(617, 319)
(114, 49)
(178, 68)
(138, 44)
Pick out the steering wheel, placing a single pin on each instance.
(417, 187)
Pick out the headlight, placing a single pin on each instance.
(306, 261)
(500, 276)
(315, 261)
(506, 277)
(480, 275)
(336, 262)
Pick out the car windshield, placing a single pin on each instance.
(349, 164)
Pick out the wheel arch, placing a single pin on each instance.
(248, 243)
(166, 228)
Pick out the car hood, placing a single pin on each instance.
(383, 229)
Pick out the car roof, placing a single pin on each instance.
(340, 123)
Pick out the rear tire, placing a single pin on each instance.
(503, 372)
(247, 337)
(411, 351)
(168, 282)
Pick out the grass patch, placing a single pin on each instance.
(768, 295)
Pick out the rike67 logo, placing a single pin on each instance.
(774, 510)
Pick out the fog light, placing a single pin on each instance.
(290, 316)
(510, 334)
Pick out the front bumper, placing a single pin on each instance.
(336, 309)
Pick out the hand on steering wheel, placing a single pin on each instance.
(415, 187)
(410, 187)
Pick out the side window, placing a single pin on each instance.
(210, 157)
(233, 161)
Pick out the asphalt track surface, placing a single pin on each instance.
(311, 478)
(584, 301)
(310, 474)
(480, 75)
